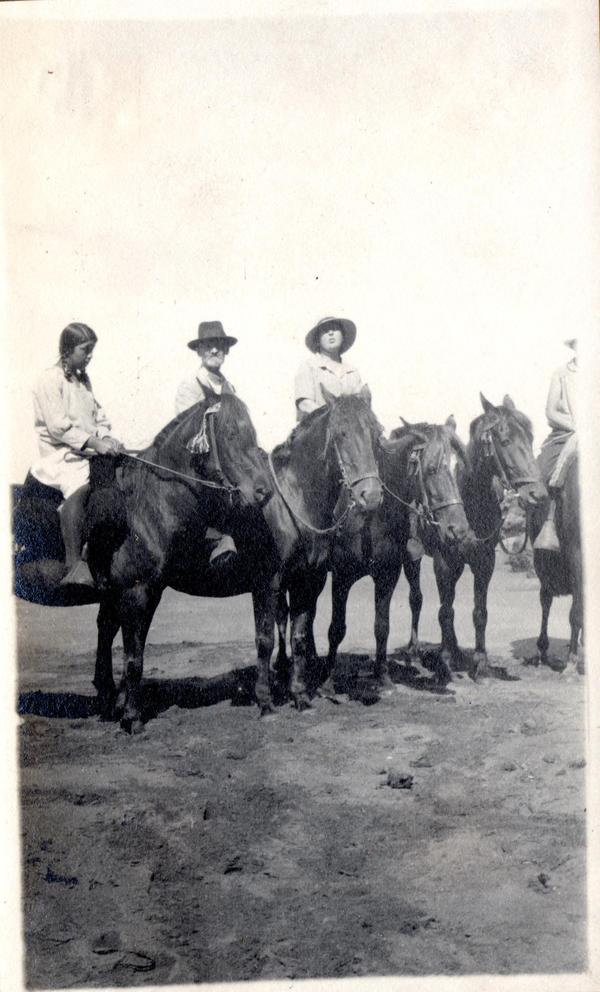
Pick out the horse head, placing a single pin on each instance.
(353, 432)
(216, 440)
(434, 468)
(503, 438)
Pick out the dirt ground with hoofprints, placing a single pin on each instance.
(218, 846)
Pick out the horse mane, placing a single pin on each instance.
(232, 412)
(283, 451)
(433, 430)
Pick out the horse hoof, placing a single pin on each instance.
(302, 702)
(266, 709)
(106, 705)
(132, 725)
(580, 666)
(384, 684)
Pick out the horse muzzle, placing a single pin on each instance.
(368, 495)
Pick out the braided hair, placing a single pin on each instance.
(71, 336)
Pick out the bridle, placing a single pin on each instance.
(346, 483)
(424, 508)
(490, 451)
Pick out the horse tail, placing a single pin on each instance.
(106, 517)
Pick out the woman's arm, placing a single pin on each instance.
(305, 389)
(51, 410)
(555, 416)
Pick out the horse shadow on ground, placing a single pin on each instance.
(353, 677)
(158, 695)
(525, 650)
(429, 658)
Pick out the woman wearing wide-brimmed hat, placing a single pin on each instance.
(212, 345)
(327, 341)
(560, 447)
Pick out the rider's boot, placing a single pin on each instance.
(547, 539)
(71, 515)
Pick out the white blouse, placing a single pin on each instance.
(66, 415)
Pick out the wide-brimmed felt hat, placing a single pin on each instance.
(211, 330)
(347, 327)
(571, 343)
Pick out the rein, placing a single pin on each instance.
(224, 485)
(297, 517)
(424, 509)
(490, 451)
(346, 482)
(189, 478)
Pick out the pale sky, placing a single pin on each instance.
(427, 176)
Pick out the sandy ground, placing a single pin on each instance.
(221, 846)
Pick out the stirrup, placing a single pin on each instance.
(224, 552)
(79, 575)
(547, 539)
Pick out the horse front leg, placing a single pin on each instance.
(303, 603)
(108, 624)
(483, 570)
(447, 575)
(137, 606)
(543, 642)
(341, 583)
(264, 604)
(281, 617)
(385, 583)
(412, 571)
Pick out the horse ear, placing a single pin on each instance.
(327, 396)
(487, 406)
(405, 423)
(508, 403)
(451, 423)
(365, 394)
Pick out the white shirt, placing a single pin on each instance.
(339, 378)
(191, 389)
(66, 414)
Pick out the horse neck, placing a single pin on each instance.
(478, 494)
(307, 470)
(393, 468)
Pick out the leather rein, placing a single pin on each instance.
(345, 481)
(424, 509)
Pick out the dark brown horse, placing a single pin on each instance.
(499, 458)
(287, 541)
(324, 471)
(418, 470)
(561, 574)
(146, 532)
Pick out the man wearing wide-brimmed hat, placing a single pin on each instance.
(560, 447)
(212, 345)
(327, 340)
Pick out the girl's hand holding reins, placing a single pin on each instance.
(105, 445)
